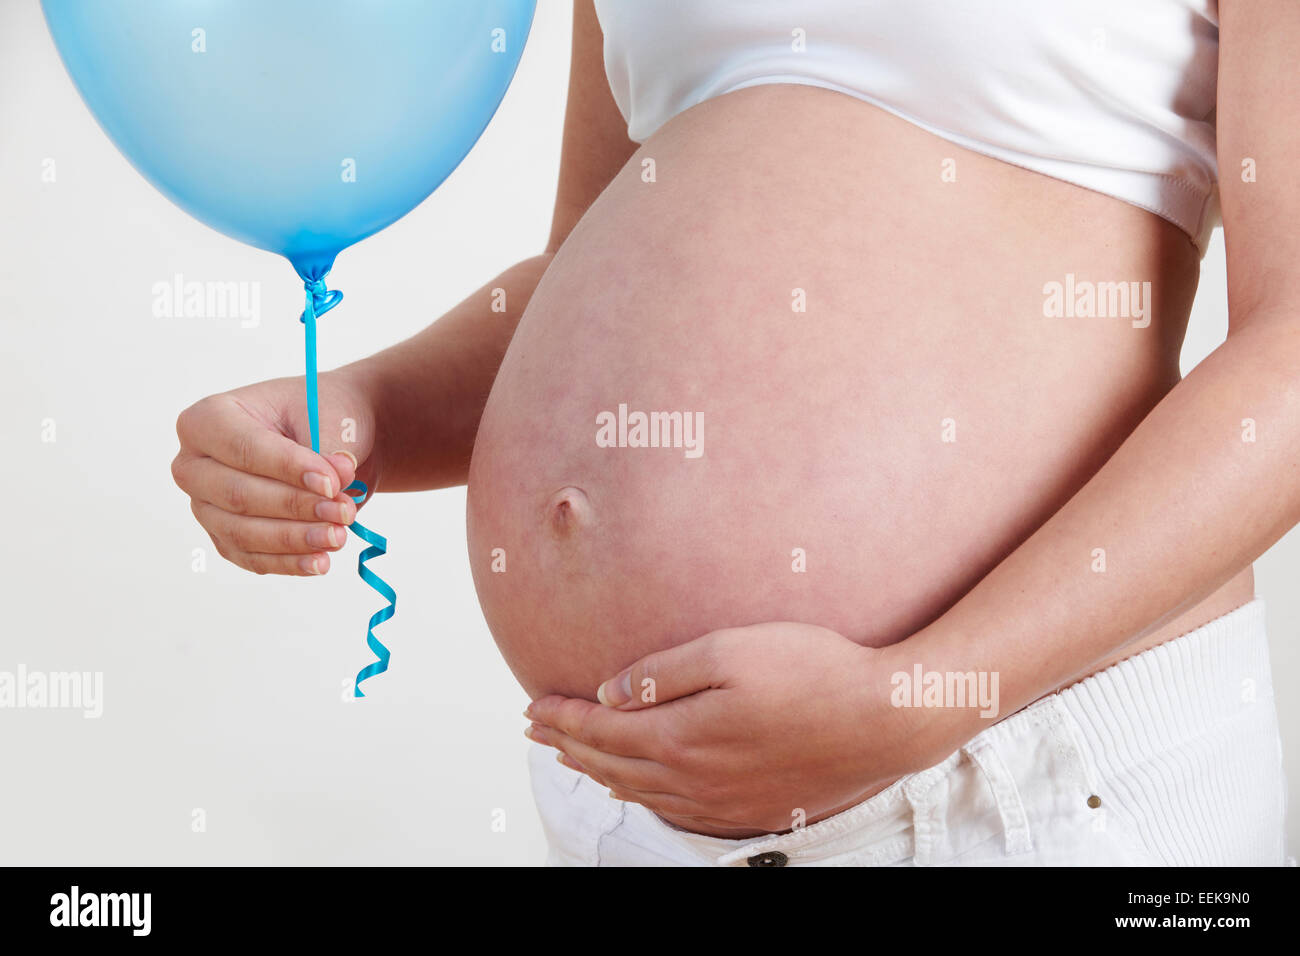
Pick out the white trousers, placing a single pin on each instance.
(1171, 757)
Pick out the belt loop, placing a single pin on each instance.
(927, 792)
(1015, 822)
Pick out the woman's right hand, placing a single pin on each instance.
(270, 504)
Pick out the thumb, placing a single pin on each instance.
(345, 463)
(664, 675)
(347, 430)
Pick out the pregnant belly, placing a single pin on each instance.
(790, 370)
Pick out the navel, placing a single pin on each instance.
(568, 511)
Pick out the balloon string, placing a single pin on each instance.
(319, 301)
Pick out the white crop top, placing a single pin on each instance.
(1114, 95)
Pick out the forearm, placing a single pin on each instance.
(1184, 505)
(427, 393)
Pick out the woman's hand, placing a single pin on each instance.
(270, 504)
(757, 728)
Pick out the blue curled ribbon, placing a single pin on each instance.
(319, 301)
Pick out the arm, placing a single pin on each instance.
(1180, 508)
(269, 503)
(428, 392)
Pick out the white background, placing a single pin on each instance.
(225, 691)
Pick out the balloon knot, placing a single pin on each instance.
(319, 299)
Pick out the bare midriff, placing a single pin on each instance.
(854, 309)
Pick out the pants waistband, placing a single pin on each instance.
(1177, 691)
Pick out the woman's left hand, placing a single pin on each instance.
(758, 728)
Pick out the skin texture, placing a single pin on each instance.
(823, 432)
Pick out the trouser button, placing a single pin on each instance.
(771, 858)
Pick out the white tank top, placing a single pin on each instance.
(1114, 95)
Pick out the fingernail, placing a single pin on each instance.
(535, 732)
(617, 690)
(323, 485)
(312, 564)
(528, 711)
(330, 536)
(350, 457)
(336, 511)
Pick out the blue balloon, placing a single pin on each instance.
(297, 126)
